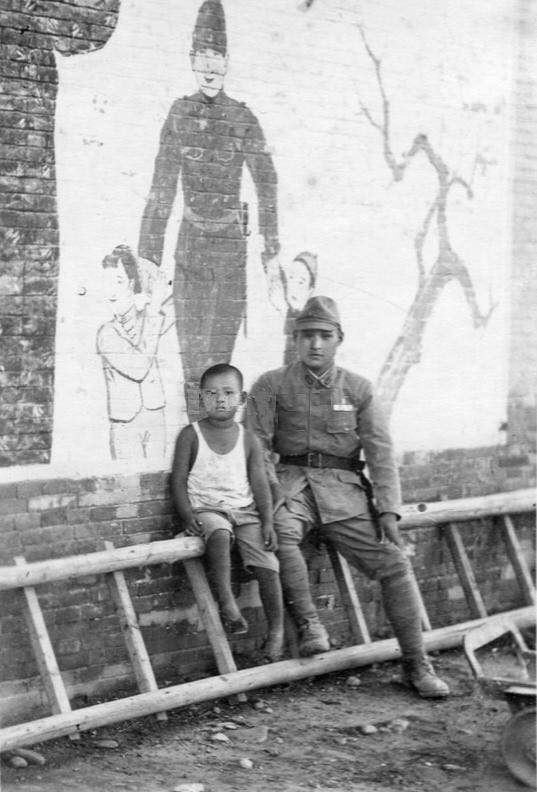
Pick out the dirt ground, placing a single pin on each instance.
(300, 737)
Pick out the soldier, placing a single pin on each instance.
(208, 137)
(317, 417)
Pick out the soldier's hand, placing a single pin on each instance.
(280, 498)
(388, 524)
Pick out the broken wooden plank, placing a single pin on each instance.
(139, 657)
(246, 679)
(517, 560)
(464, 570)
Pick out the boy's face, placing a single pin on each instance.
(221, 396)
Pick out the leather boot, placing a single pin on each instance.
(313, 638)
(419, 674)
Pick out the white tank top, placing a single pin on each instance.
(219, 480)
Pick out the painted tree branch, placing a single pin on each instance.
(448, 266)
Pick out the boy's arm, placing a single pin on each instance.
(257, 477)
(186, 449)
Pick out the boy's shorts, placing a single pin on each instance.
(245, 527)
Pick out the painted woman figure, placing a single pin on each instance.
(299, 279)
(30, 34)
(207, 138)
(128, 347)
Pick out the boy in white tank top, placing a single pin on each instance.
(222, 494)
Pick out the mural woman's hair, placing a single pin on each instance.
(124, 255)
(310, 262)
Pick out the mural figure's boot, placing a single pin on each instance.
(313, 637)
(401, 604)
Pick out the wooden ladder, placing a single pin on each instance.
(454, 539)
(134, 642)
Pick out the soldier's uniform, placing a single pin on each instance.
(318, 425)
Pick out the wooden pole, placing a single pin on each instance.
(229, 684)
(163, 552)
(421, 515)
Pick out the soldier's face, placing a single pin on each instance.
(118, 288)
(209, 68)
(298, 285)
(317, 348)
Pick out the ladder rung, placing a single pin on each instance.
(44, 652)
(210, 617)
(349, 595)
(139, 657)
(518, 561)
(464, 570)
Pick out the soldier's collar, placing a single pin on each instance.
(325, 379)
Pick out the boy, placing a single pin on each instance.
(222, 494)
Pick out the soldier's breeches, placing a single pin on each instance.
(402, 608)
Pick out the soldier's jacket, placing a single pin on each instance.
(294, 413)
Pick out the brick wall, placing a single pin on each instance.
(29, 237)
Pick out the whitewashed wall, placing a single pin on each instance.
(447, 73)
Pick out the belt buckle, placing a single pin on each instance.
(314, 459)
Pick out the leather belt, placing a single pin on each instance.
(315, 459)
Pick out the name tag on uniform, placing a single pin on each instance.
(343, 407)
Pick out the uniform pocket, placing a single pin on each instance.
(341, 423)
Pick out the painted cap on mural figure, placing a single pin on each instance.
(210, 28)
(310, 262)
(319, 313)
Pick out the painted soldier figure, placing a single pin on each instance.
(207, 138)
(318, 417)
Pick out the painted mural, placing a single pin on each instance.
(128, 345)
(181, 213)
(207, 139)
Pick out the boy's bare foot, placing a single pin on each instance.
(233, 621)
(272, 649)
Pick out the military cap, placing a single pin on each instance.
(319, 313)
(210, 28)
